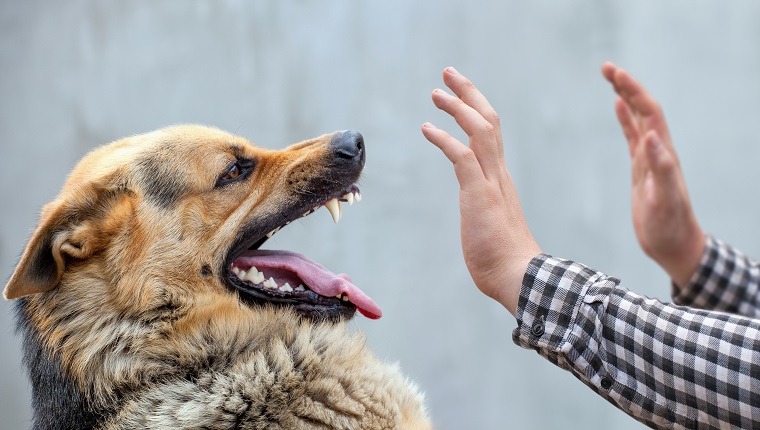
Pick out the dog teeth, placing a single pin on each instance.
(334, 207)
(271, 233)
(255, 277)
(351, 197)
(348, 197)
(259, 278)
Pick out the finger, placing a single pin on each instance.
(466, 165)
(643, 105)
(608, 71)
(627, 123)
(661, 161)
(470, 95)
(640, 100)
(481, 132)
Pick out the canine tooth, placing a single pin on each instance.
(300, 288)
(334, 207)
(358, 197)
(270, 283)
(349, 197)
(286, 288)
(345, 298)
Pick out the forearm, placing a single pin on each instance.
(664, 365)
(724, 280)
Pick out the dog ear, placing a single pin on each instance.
(69, 228)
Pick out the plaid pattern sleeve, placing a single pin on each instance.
(667, 366)
(726, 280)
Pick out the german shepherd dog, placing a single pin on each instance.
(145, 302)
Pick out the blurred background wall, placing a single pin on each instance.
(77, 74)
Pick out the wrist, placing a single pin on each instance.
(686, 261)
(507, 291)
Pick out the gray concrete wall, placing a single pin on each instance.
(77, 74)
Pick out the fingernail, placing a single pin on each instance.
(453, 71)
(428, 125)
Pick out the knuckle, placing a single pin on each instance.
(468, 155)
(494, 118)
(489, 129)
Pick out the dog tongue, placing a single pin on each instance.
(318, 278)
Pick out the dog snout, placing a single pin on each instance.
(348, 146)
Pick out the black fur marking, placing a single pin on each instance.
(206, 271)
(161, 185)
(57, 403)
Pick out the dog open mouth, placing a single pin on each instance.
(290, 279)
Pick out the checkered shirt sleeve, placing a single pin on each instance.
(667, 366)
(726, 280)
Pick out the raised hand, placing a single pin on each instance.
(663, 219)
(496, 241)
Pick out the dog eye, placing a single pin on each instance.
(237, 171)
(233, 173)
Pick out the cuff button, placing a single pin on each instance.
(538, 328)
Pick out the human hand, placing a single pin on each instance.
(496, 241)
(663, 219)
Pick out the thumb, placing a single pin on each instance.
(661, 161)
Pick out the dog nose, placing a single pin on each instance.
(349, 145)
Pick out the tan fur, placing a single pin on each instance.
(117, 287)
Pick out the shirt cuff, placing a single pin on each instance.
(690, 293)
(552, 292)
(724, 281)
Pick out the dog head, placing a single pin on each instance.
(147, 221)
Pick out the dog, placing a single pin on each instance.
(145, 301)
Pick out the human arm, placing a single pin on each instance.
(638, 353)
(665, 365)
(663, 218)
(706, 273)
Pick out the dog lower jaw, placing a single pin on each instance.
(313, 299)
(306, 303)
